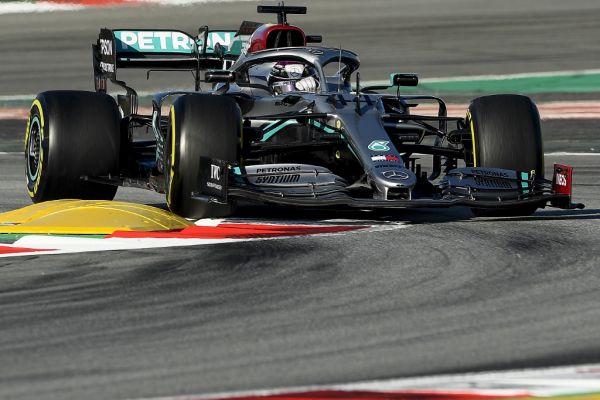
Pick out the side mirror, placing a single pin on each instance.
(219, 76)
(404, 79)
(314, 38)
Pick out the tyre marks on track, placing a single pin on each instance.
(579, 382)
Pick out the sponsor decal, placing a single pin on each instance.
(561, 180)
(222, 38)
(268, 170)
(294, 70)
(107, 67)
(271, 179)
(395, 174)
(106, 47)
(100, 83)
(215, 172)
(314, 51)
(490, 172)
(214, 185)
(213, 181)
(289, 175)
(379, 145)
(386, 166)
(390, 158)
(154, 41)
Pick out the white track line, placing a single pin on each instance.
(566, 153)
(187, 2)
(542, 382)
(23, 7)
(79, 244)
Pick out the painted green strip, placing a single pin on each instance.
(524, 180)
(268, 134)
(321, 126)
(545, 84)
(9, 238)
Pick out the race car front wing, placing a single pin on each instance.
(489, 188)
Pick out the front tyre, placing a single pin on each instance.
(71, 134)
(505, 133)
(200, 126)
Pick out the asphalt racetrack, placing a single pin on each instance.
(444, 292)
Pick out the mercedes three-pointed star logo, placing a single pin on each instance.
(395, 174)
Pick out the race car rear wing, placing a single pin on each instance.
(154, 49)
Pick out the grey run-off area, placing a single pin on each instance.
(430, 37)
(448, 293)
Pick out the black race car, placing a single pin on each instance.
(282, 124)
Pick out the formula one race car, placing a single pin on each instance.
(281, 124)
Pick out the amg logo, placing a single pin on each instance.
(106, 67)
(106, 47)
(492, 183)
(492, 173)
(292, 168)
(278, 179)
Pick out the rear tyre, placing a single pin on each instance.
(200, 126)
(506, 133)
(71, 134)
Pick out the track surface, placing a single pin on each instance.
(448, 293)
(431, 37)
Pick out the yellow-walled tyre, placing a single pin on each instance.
(200, 126)
(71, 134)
(505, 133)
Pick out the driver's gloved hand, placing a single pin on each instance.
(308, 84)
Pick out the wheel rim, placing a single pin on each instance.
(34, 146)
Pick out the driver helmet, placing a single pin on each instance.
(285, 74)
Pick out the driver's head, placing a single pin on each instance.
(292, 76)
